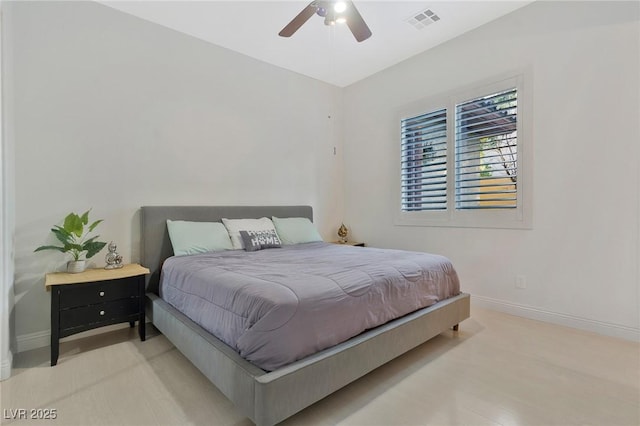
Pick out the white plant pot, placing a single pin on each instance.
(76, 266)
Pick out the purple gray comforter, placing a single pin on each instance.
(279, 305)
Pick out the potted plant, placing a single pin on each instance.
(74, 236)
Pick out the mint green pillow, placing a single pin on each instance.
(296, 230)
(197, 237)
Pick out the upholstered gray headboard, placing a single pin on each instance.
(155, 245)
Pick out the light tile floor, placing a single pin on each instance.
(497, 370)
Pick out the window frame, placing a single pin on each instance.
(514, 218)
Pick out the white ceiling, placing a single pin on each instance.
(330, 54)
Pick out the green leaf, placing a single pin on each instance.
(93, 248)
(94, 224)
(85, 217)
(72, 246)
(61, 249)
(74, 249)
(63, 236)
(73, 224)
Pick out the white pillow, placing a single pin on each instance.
(197, 237)
(234, 226)
(296, 230)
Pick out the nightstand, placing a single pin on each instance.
(95, 298)
(349, 243)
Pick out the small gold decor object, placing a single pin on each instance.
(342, 233)
(113, 259)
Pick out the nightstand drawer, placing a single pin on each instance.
(98, 292)
(101, 312)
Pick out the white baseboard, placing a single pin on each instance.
(600, 327)
(30, 341)
(5, 366)
(41, 339)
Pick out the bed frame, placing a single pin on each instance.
(270, 397)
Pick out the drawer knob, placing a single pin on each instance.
(101, 312)
(101, 293)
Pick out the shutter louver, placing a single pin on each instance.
(424, 162)
(486, 152)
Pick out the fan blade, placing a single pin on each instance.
(356, 24)
(299, 20)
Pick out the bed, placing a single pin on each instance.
(268, 397)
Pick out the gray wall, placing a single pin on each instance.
(111, 112)
(580, 259)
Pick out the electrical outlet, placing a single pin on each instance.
(521, 281)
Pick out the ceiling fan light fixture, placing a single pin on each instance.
(332, 11)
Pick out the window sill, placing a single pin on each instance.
(466, 219)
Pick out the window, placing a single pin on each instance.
(461, 159)
(486, 163)
(424, 162)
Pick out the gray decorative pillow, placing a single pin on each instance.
(258, 240)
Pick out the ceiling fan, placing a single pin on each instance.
(333, 12)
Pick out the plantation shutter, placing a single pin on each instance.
(424, 162)
(486, 166)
